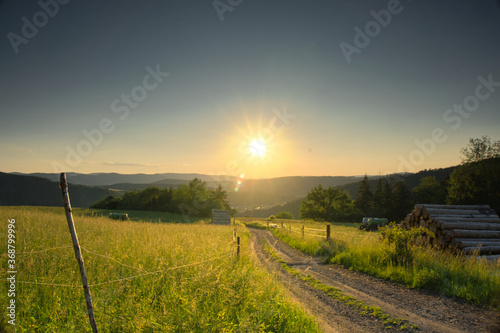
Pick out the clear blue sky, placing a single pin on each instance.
(274, 70)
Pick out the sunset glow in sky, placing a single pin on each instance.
(264, 89)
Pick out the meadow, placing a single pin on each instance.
(475, 280)
(143, 276)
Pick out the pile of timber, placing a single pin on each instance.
(473, 229)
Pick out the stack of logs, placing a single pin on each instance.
(473, 229)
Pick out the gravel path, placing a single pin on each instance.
(431, 312)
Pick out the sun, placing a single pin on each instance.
(258, 148)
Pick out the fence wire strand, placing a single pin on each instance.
(126, 278)
(45, 250)
(107, 257)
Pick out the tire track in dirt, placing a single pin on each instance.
(431, 312)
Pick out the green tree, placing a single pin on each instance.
(147, 199)
(429, 191)
(110, 202)
(476, 183)
(480, 149)
(364, 197)
(285, 216)
(327, 204)
(165, 200)
(193, 199)
(402, 201)
(382, 198)
(315, 204)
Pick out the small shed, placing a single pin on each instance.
(221, 217)
(473, 229)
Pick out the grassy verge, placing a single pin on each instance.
(388, 321)
(187, 278)
(476, 281)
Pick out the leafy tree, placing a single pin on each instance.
(285, 216)
(194, 199)
(165, 200)
(476, 183)
(327, 204)
(148, 199)
(315, 204)
(382, 198)
(402, 201)
(364, 197)
(480, 149)
(110, 202)
(129, 200)
(429, 191)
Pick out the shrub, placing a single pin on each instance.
(285, 216)
(400, 243)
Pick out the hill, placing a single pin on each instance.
(298, 186)
(411, 180)
(253, 192)
(16, 190)
(254, 196)
(105, 179)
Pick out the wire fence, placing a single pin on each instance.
(144, 272)
(320, 233)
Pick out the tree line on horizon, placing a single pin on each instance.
(193, 199)
(475, 181)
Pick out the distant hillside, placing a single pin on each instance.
(133, 186)
(105, 179)
(18, 190)
(252, 193)
(298, 186)
(412, 180)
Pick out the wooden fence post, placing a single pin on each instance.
(281, 224)
(302, 231)
(238, 247)
(327, 232)
(78, 254)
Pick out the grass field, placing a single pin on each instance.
(144, 277)
(476, 281)
(144, 216)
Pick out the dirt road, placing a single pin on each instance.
(430, 312)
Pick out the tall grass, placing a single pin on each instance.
(198, 284)
(474, 280)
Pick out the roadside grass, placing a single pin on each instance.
(181, 278)
(474, 280)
